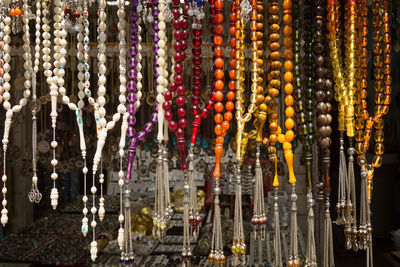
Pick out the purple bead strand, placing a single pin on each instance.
(148, 128)
(132, 87)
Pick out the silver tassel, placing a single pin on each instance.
(328, 239)
(216, 255)
(342, 185)
(194, 218)
(159, 219)
(351, 216)
(259, 217)
(294, 260)
(277, 231)
(239, 245)
(186, 253)
(165, 176)
(127, 255)
(311, 256)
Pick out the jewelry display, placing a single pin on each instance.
(316, 50)
(11, 110)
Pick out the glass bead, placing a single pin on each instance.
(377, 161)
(379, 124)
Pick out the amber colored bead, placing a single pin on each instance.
(219, 4)
(228, 116)
(218, 118)
(217, 40)
(273, 139)
(288, 76)
(219, 18)
(276, 65)
(287, 4)
(288, 65)
(274, 37)
(276, 55)
(219, 85)
(229, 106)
(219, 63)
(289, 100)
(230, 95)
(359, 136)
(231, 85)
(273, 9)
(379, 124)
(218, 51)
(379, 136)
(225, 125)
(274, 28)
(274, 46)
(377, 161)
(218, 129)
(289, 88)
(219, 74)
(219, 107)
(219, 96)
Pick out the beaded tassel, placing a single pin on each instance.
(311, 256)
(34, 195)
(351, 232)
(239, 245)
(277, 230)
(342, 186)
(259, 217)
(194, 218)
(127, 255)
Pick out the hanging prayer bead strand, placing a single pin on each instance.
(161, 214)
(286, 138)
(274, 84)
(34, 195)
(382, 74)
(322, 85)
(216, 255)
(259, 218)
(194, 218)
(238, 241)
(84, 89)
(180, 24)
(53, 83)
(134, 97)
(11, 110)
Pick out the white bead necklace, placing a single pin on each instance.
(10, 110)
(34, 195)
(124, 126)
(53, 94)
(84, 88)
